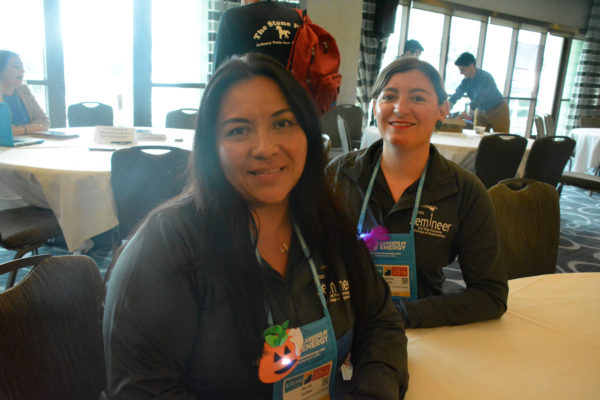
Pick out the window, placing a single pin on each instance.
(464, 36)
(565, 103)
(523, 80)
(179, 55)
(98, 48)
(428, 28)
(29, 46)
(497, 53)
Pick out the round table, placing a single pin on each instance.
(72, 180)
(587, 149)
(460, 147)
(546, 346)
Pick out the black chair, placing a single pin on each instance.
(590, 121)
(184, 118)
(549, 125)
(51, 334)
(498, 157)
(353, 115)
(580, 179)
(25, 229)
(528, 226)
(539, 126)
(141, 179)
(90, 113)
(334, 126)
(548, 157)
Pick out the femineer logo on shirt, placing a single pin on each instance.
(426, 223)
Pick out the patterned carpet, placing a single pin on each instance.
(579, 247)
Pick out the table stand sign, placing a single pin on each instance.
(114, 135)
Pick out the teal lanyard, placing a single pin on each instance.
(363, 210)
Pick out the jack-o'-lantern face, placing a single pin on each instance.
(281, 352)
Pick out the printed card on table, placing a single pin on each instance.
(114, 134)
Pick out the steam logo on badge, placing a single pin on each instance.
(281, 352)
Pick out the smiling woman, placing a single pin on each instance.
(429, 207)
(253, 276)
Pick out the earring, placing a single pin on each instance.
(438, 125)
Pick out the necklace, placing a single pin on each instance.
(283, 248)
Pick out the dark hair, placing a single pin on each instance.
(405, 64)
(465, 59)
(6, 55)
(412, 46)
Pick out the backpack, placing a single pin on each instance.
(314, 61)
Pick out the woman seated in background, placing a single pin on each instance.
(27, 115)
(424, 209)
(253, 279)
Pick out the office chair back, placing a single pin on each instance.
(141, 180)
(51, 336)
(528, 226)
(90, 113)
(549, 125)
(498, 157)
(353, 115)
(184, 118)
(539, 126)
(548, 157)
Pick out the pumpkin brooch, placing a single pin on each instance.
(281, 352)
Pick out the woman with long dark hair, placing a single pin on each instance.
(252, 284)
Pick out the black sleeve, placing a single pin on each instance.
(150, 317)
(487, 289)
(379, 350)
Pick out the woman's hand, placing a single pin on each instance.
(26, 129)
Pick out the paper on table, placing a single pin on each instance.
(114, 134)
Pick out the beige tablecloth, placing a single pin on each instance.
(71, 180)
(546, 346)
(458, 147)
(587, 149)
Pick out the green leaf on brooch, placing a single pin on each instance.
(276, 335)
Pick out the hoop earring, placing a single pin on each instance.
(438, 125)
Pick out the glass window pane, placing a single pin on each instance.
(549, 75)
(427, 27)
(392, 51)
(464, 36)
(98, 48)
(574, 54)
(165, 99)
(519, 109)
(40, 94)
(29, 43)
(496, 53)
(524, 73)
(179, 49)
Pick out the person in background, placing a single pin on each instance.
(27, 115)
(490, 108)
(412, 48)
(258, 26)
(400, 190)
(221, 290)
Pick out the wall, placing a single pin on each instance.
(341, 18)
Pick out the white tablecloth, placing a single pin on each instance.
(71, 180)
(458, 147)
(546, 346)
(587, 149)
